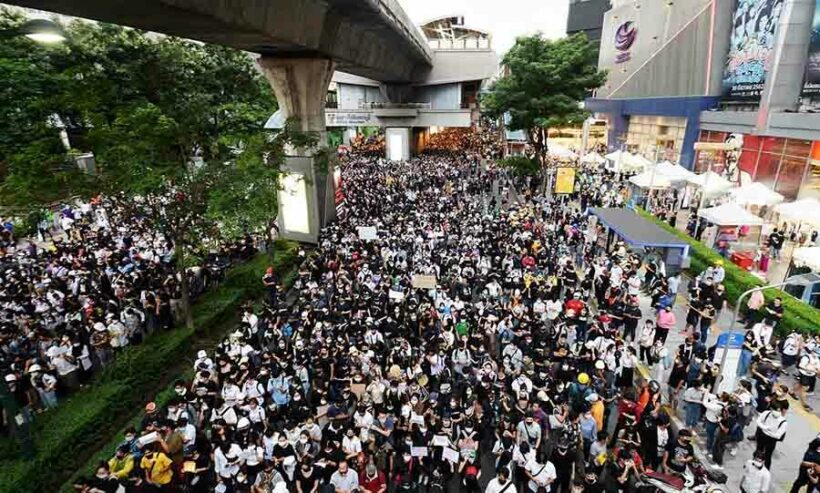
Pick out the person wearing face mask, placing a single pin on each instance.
(501, 483)
(371, 480)
(756, 476)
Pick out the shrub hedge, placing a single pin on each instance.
(796, 314)
(88, 419)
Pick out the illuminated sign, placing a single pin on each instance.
(624, 39)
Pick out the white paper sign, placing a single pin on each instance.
(450, 455)
(440, 441)
(368, 233)
(418, 451)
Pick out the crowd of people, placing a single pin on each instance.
(97, 280)
(482, 342)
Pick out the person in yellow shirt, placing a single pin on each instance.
(157, 467)
(596, 408)
(122, 463)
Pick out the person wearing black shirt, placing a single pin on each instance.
(773, 312)
(563, 461)
(307, 477)
(809, 474)
(632, 314)
(678, 453)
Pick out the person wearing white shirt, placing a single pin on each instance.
(756, 477)
(763, 333)
(540, 475)
(501, 483)
(771, 428)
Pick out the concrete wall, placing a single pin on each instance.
(671, 52)
(351, 95)
(461, 65)
(441, 97)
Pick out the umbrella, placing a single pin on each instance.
(805, 211)
(755, 193)
(730, 214)
(646, 180)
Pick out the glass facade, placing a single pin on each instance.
(781, 164)
(648, 135)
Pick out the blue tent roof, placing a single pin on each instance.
(635, 230)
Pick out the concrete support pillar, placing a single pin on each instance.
(397, 143)
(306, 202)
(784, 82)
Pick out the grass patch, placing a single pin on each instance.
(797, 315)
(88, 419)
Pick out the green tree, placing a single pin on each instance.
(176, 129)
(544, 86)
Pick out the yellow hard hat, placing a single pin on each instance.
(719, 262)
(583, 379)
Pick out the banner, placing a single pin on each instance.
(421, 281)
(564, 180)
(754, 28)
(811, 87)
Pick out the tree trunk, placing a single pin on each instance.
(185, 288)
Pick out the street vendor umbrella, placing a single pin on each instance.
(730, 214)
(646, 180)
(801, 211)
(755, 193)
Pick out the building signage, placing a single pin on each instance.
(348, 118)
(811, 88)
(754, 28)
(624, 39)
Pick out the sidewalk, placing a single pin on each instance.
(802, 425)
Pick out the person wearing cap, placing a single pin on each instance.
(45, 384)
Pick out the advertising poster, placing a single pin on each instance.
(564, 180)
(811, 88)
(754, 27)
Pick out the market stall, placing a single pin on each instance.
(623, 162)
(755, 194)
(731, 223)
(675, 172)
(804, 211)
(704, 186)
(593, 158)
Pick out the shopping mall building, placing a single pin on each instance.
(683, 71)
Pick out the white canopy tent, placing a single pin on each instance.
(560, 151)
(801, 211)
(755, 193)
(730, 214)
(646, 180)
(593, 158)
(675, 172)
(711, 183)
(641, 162)
(622, 161)
(807, 257)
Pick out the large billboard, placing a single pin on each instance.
(812, 86)
(754, 28)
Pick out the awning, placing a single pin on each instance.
(635, 230)
(730, 214)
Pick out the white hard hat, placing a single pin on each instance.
(243, 424)
(11, 377)
(201, 354)
(34, 368)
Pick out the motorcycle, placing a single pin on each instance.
(696, 479)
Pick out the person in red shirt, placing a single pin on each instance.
(528, 261)
(371, 480)
(575, 304)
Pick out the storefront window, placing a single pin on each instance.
(792, 169)
(767, 169)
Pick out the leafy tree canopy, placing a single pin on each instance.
(545, 83)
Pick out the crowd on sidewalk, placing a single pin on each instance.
(96, 280)
(479, 343)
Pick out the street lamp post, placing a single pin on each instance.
(790, 280)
